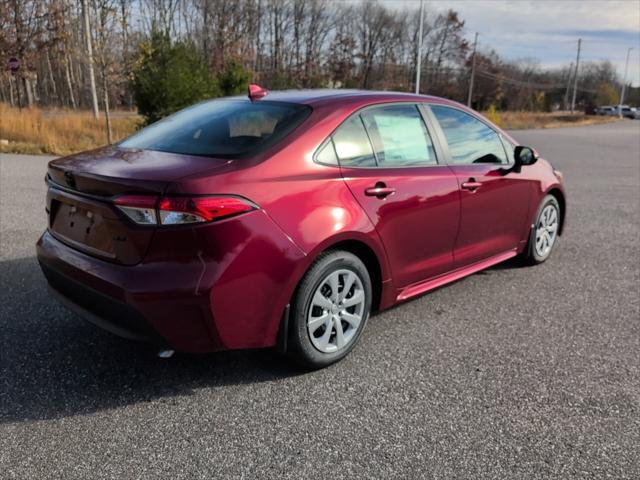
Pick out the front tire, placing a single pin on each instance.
(544, 232)
(330, 309)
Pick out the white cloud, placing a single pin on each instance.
(549, 29)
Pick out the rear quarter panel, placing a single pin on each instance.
(310, 203)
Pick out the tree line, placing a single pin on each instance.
(160, 55)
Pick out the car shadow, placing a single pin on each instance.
(54, 364)
(511, 264)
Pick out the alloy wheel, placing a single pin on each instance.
(546, 230)
(336, 311)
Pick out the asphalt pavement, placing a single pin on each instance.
(516, 372)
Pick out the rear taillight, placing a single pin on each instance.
(177, 210)
(139, 208)
(151, 210)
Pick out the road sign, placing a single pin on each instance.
(14, 64)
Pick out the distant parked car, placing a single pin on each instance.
(627, 112)
(606, 110)
(590, 110)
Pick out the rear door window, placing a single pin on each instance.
(399, 136)
(221, 128)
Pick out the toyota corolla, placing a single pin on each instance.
(284, 219)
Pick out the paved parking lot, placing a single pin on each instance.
(511, 373)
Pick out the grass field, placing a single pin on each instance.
(526, 120)
(62, 132)
(58, 132)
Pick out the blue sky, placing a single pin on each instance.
(548, 30)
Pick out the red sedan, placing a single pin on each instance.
(283, 220)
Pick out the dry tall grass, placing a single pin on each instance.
(62, 132)
(58, 132)
(524, 120)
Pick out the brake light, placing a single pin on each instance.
(177, 210)
(149, 210)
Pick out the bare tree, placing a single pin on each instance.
(64, 44)
(373, 25)
(23, 19)
(106, 19)
(160, 15)
(92, 77)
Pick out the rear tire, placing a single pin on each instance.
(544, 232)
(330, 310)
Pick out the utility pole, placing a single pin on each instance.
(419, 62)
(624, 82)
(92, 77)
(473, 70)
(566, 92)
(575, 78)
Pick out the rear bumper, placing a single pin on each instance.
(213, 287)
(124, 301)
(101, 310)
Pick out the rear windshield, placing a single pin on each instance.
(221, 128)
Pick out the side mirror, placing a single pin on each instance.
(525, 155)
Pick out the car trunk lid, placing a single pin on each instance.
(112, 170)
(82, 189)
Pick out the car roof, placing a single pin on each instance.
(318, 97)
(359, 98)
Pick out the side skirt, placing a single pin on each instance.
(425, 286)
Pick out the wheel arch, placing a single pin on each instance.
(370, 255)
(368, 248)
(560, 197)
(370, 260)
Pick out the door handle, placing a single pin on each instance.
(380, 190)
(472, 185)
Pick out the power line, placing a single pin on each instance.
(527, 84)
(521, 83)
